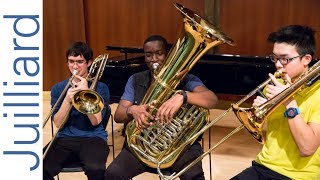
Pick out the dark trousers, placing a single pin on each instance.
(259, 172)
(126, 165)
(91, 152)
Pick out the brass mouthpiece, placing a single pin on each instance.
(278, 74)
(155, 66)
(74, 72)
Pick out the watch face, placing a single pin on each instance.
(291, 113)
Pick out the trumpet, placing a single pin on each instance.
(252, 118)
(85, 101)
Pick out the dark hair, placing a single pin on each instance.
(157, 38)
(300, 36)
(80, 48)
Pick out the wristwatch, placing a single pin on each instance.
(291, 112)
(184, 94)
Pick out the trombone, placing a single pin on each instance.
(252, 118)
(85, 101)
(60, 98)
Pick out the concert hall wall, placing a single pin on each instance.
(129, 22)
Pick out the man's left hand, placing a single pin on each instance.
(276, 88)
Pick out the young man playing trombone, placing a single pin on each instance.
(291, 149)
(83, 135)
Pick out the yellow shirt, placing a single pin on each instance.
(280, 153)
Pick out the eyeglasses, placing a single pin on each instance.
(79, 62)
(283, 60)
(157, 53)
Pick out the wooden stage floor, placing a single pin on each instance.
(227, 160)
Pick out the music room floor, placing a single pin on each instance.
(230, 158)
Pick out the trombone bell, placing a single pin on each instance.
(250, 121)
(87, 102)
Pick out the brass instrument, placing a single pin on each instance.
(252, 118)
(85, 101)
(154, 143)
(89, 101)
(60, 97)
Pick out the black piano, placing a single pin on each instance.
(222, 73)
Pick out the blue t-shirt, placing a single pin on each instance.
(78, 124)
(190, 81)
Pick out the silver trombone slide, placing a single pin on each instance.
(60, 98)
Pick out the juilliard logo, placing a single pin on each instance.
(21, 88)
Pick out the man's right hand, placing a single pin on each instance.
(141, 115)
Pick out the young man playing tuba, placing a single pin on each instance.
(126, 165)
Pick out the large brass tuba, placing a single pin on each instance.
(151, 145)
(85, 101)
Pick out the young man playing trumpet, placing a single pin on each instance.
(291, 149)
(83, 135)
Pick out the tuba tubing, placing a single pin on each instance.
(154, 143)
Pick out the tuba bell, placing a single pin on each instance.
(154, 143)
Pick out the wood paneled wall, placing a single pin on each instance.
(249, 22)
(63, 23)
(129, 22)
(105, 22)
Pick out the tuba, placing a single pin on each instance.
(85, 101)
(154, 143)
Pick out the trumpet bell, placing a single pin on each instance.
(88, 102)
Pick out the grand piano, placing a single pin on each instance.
(224, 74)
